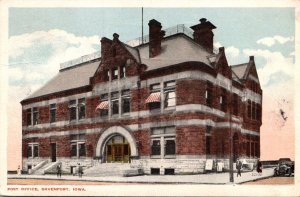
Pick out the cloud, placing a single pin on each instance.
(276, 66)
(270, 41)
(232, 51)
(42, 52)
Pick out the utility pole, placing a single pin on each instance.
(231, 179)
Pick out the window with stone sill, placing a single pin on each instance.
(78, 146)
(35, 117)
(52, 113)
(81, 108)
(77, 109)
(114, 103)
(208, 139)
(122, 72)
(170, 94)
(115, 73)
(155, 105)
(104, 112)
(72, 110)
(28, 112)
(223, 100)
(33, 150)
(163, 142)
(125, 101)
(209, 94)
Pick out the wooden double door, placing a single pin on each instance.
(117, 150)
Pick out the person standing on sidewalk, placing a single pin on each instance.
(80, 170)
(238, 167)
(58, 169)
(259, 167)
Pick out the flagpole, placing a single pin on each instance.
(142, 25)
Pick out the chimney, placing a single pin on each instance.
(203, 34)
(251, 58)
(155, 37)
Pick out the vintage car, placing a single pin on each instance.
(285, 167)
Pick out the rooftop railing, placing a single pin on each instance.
(181, 28)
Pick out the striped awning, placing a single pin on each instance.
(102, 105)
(153, 98)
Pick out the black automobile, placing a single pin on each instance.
(285, 167)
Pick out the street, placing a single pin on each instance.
(272, 181)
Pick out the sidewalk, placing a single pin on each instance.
(210, 178)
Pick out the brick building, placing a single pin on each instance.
(164, 106)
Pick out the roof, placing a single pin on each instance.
(240, 70)
(65, 79)
(189, 51)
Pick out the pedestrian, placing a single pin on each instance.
(238, 167)
(19, 171)
(80, 170)
(58, 169)
(259, 166)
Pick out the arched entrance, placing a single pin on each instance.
(117, 149)
(116, 144)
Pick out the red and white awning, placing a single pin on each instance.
(102, 105)
(153, 98)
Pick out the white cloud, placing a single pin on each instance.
(232, 51)
(276, 64)
(270, 41)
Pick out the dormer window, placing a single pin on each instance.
(122, 72)
(115, 73)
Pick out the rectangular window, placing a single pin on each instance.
(35, 116)
(170, 95)
(82, 152)
(114, 103)
(74, 150)
(249, 109)
(208, 139)
(223, 100)
(115, 73)
(253, 110)
(170, 147)
(235, 104)
(29, 151)
(28, 112)
(72, 110)
(53, 113)
(107, 75)
(104, 112)
(81, 108)
(155, 148)
(163, 141)
(208, 94)
(154, 105)
(122, 72)
(33, 150)
(125, 101)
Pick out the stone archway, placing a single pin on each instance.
(113, 131)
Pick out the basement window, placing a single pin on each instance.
(169, 171)
(155, 171)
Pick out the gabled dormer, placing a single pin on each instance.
(118, 61)
(251, 79)
(221, 64)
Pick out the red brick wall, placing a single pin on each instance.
(138, 98)
(142, 138)
(190, 140)
(91, 104)
(190, 92)
(44, 116)
(62, 111)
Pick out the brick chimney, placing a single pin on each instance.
(155, 37)
(203, 34)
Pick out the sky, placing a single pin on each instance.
(42, 38)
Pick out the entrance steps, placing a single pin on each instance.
(48, 168)
(112, 169)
